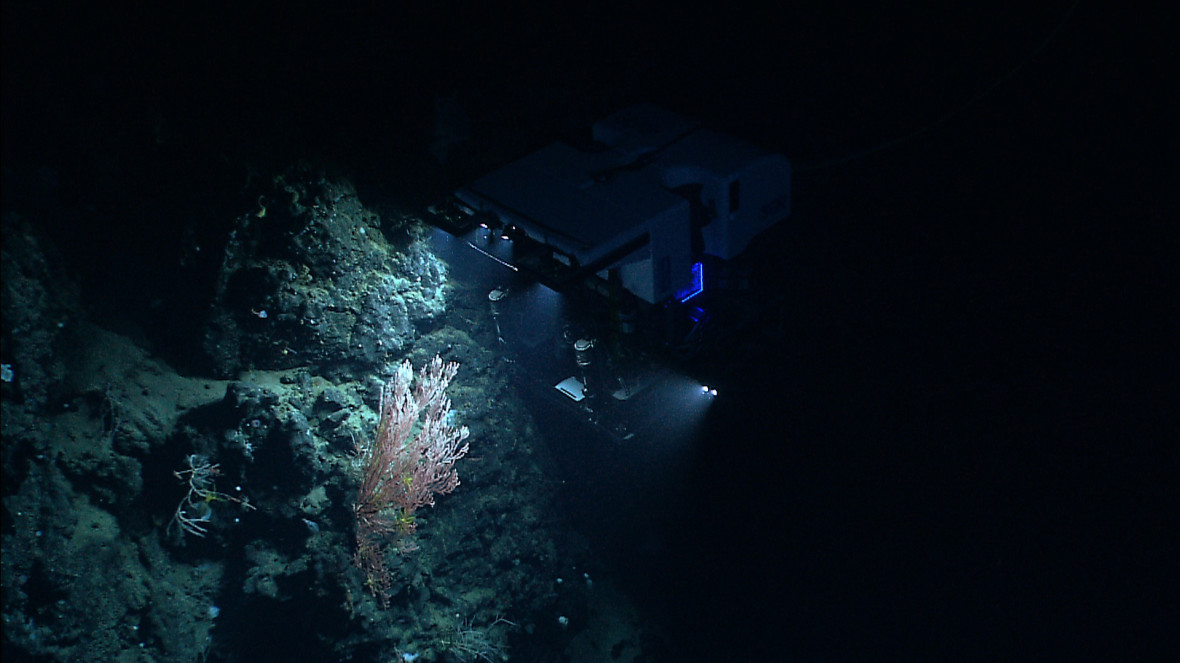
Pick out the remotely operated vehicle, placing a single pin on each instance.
(639, 226)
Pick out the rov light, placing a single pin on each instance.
(708, 391)
(490, 222)
(696, 287)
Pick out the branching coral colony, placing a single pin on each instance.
(409, 461)
(196, 509)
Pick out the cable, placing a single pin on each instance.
(937, 122)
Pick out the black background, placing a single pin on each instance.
(961, 446)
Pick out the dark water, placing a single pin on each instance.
(923, 449)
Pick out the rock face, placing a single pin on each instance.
(155, 515)
(39, 300)
(308, 278)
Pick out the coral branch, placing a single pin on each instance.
(195, 511)
(409, 461)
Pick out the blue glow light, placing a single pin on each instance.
(698, 283)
